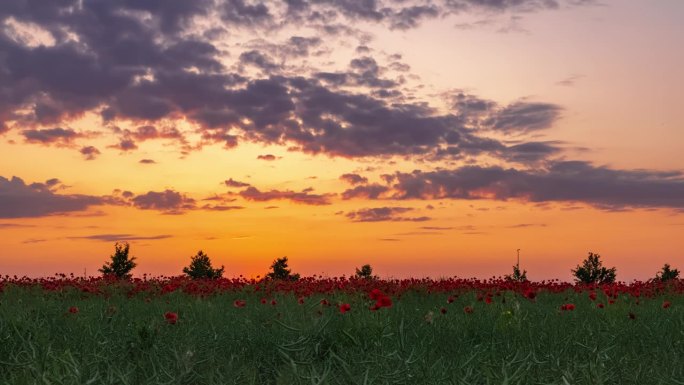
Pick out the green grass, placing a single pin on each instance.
(127, 341)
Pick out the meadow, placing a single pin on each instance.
(175, 330)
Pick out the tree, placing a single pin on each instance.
(121, 264)
(666, 274)
(365, 272)
(517, 275)
(279, 270)
(200, 267)
(592, 271)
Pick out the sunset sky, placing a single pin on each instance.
(425, 137)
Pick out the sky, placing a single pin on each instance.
(428, 138)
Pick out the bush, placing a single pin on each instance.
(592, 271)
(279, 270)
(200, 267)
(517, 275)
(121, 264)
(667, 274)
(365, 272)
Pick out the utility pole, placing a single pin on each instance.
(518, 264)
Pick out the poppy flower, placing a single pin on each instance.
(451, 299)
(274, 302)
(384, 301)
(468, 310)
(530, 294)
(376, 294)
(171, 317)
(666, 304)
(264, 301)
(300, 300)
(239, 303)
(600, 305)
(488, 300)
(345, 307)
(443, 310)
(592, 296)
(73, 310)
(325, 302)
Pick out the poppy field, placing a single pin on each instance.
(175, 330)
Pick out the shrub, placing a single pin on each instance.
(517, 275)
(121, 264)
(667, 274)
(200, 267)
(366, 272)
(592, 271)
(279, 270)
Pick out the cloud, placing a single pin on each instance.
(121, 237)
(89, 152)
(125, 145)
(383, 214)
(233, 183)
(267, 157)
(371, 191)
(560, 181)
(13, 225)
(147, 161)
(51, 136)
(304, 197)
(221, 207)
(19, 200)
(167, 201)
(353, 179)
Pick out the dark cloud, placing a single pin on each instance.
(353, 179)
(89, 152)
(304, 197)
(19, 200)
(233, 183)
(525, 117)
(267, 157)
(383, 214)
(221, 208)
(125, 145)
(121, 237)
(147, 161)
(167, 201)
(371, 191)
(50, 136)
(259, 60)
(561, 181)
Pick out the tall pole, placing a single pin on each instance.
(518, 264)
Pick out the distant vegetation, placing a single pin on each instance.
(592, 271)
(200, 267)
(667, 274)
(121, 263)
(366, 272)
(280, 271)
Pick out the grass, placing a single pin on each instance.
(120, 340)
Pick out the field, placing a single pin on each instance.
(67, 330)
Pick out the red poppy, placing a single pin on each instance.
(274, 302)
(384, 301)
(171, 317)
(73, 310)
(611, 302)
(300, 300)
(468, 310)
(264, 301)
(600, 306)
(666, 304)
(443, 310)
(488, 300)
(592, 296)
(568, 307)
(239, 303)
(374, 307)
(451, 299)
(531, 294)
(345, 307)
(376, 294)
(325, 302)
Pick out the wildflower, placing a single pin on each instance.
(376, 294)
(592, 296)
(384, 301)
(468, 310)
(429, 317)
(451, 299)
(300, 300)
(171, 317)
(345, 307)
(666, 304)
(530, 294)
(443, 310)
(274, 302)
(567, 307)
(239, 303)
(264, 301)
(325, 302)
(73, 310)
(600, 305)
(488, 300)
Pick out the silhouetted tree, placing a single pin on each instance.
(592, 271)
(366, 272)
(200, 267)
(121, 264)
(279, 270)
(666, 273)
(517, 275)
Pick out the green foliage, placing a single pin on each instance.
(592, 271)
(366, 272)
(200, 267)
(279, 270)
(517, 275)
(666, 273)
(121, 263)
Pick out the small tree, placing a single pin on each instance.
(592, 271)
(279, 270)
(121, 264)
(666, 273)
(517, 275)
(200, 267)
(365, 272)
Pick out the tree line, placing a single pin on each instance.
(590, 271)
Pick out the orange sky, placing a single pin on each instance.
(464, 134)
